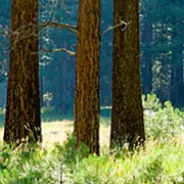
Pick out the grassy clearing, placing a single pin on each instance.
(56, 126)
(56, 132)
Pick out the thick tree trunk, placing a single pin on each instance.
(127, 111)
(87, 75)
(147, 58)
(22, 120)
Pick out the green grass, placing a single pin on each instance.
(161, 161)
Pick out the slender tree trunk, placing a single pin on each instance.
(87, 75)
(22, 120)
(147, 58)
(41, 87)
(58, 80)
(127, 112)
(64, 87)
(177, 83)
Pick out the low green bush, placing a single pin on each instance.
(161, 121)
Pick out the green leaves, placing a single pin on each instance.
(161, 122)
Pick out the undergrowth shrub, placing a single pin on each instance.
(161, 121)
(161, 161)
(28, 165)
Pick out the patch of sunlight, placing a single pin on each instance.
(56, 132)
(1, 134)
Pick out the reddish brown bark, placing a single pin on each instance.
(23, 102)
(87, 75)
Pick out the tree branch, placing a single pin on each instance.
(58, 26)
(116, 26)
(74, 29)
(62, 50)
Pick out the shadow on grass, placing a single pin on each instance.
(50, 115)
(55, 116)
(105, 116)
(106, 113)
(1, 119)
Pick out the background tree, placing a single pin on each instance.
(127, 112)
(22, 119)
(177, 39)
(86, 125)
(147, 45)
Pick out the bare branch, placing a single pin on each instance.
(116, 26)
(62, 50)
(58, 26)
(74, 29)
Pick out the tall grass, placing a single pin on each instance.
(161, 161)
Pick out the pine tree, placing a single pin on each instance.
(22, 121)
(87, 75)
(127, 112)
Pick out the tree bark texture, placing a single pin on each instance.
(22, 121)
(86, 126)
(127, 111)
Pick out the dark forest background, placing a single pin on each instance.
(162, 41)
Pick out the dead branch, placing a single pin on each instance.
(74, 29)
(58, 26)
(62, 50)
(116, 26)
